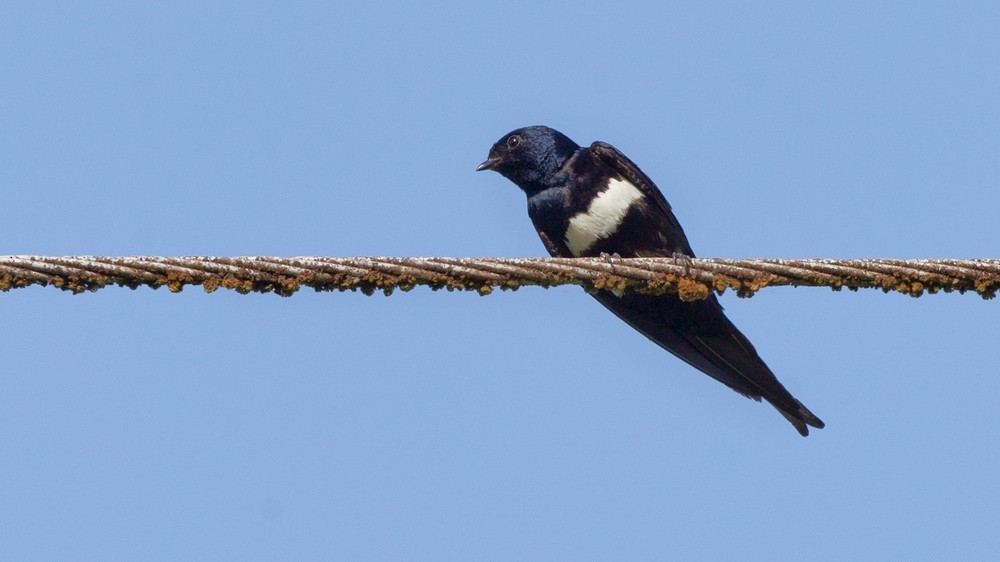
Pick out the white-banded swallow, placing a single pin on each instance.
(589, 202)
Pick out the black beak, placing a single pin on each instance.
(489, 164)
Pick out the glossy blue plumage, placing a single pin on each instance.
(593, 201)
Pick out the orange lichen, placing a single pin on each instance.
(176, 281)
(287, 286)
(661, 286)
(610, 283)
(986, 288)
(211, 284)
(723, 282)
(690, 290)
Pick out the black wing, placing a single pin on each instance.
(700, 334)
(697, 332)
(620, 163)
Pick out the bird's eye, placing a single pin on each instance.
(513, 142)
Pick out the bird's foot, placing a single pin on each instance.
(680, 258)
(610, 259)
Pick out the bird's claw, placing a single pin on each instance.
(610, 259)
(686, 260)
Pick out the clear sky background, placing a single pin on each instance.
(147, 425)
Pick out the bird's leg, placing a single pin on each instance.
(610, 259)
(686, 260)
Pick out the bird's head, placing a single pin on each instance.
(530, 157)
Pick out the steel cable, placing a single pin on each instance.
(691, 278)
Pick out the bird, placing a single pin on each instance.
(593, 202)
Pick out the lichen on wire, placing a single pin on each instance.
(692, 279)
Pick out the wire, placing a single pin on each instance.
(692, 278)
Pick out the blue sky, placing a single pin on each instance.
(527, 425)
